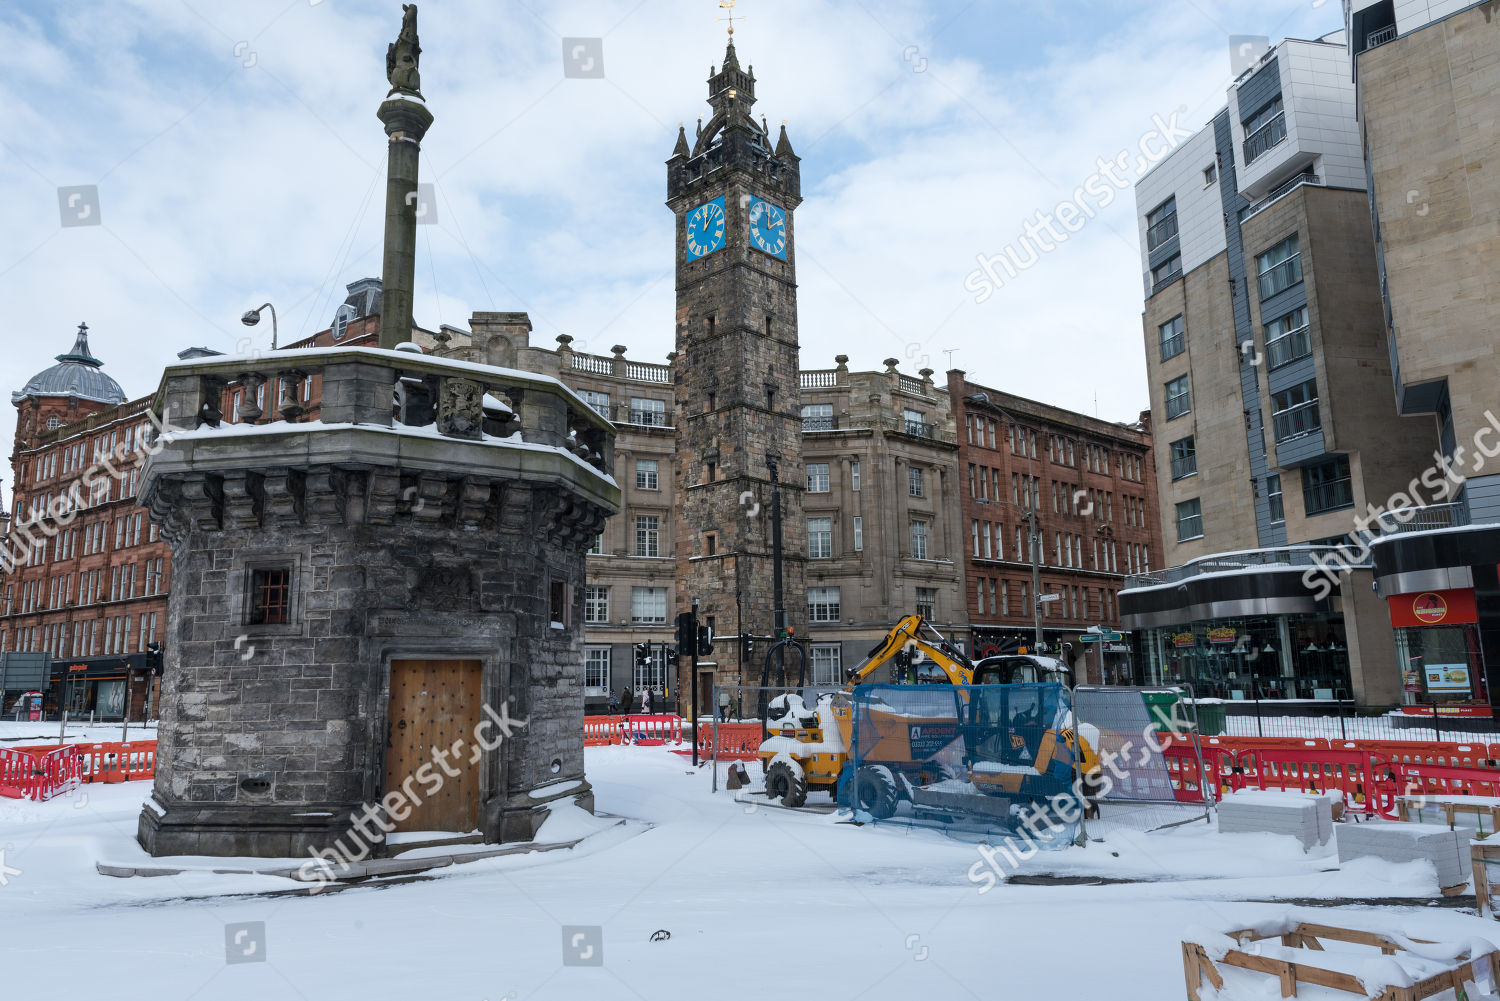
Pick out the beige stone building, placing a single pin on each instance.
(1268, 367)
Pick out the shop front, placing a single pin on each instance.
(103, 687)
(1062, 644)
(1443, 592)
(1249, 626)
(1296, 656)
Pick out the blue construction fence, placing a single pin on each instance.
(981, 760)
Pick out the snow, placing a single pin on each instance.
(743, 888)
(26, 734)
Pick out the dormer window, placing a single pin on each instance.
(341, 320)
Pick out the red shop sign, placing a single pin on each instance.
(1433, 608)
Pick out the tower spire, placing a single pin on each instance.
(81, 352)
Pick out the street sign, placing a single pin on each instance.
(1105, 637)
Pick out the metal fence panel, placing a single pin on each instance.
(980, 760)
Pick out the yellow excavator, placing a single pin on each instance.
(1010, 753)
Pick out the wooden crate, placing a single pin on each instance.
(1197, 965)
(1484, 855)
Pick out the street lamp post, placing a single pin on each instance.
(252, 317)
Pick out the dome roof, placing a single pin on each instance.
(77, 373)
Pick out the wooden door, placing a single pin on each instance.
(434, 704)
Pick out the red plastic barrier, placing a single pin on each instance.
(39, 776)
(1442, 780)
(1453, 754)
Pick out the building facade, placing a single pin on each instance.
(1427, 81)
(84, 575)
(1088, 487)
(1267, 359)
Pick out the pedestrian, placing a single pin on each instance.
(614, 703)
(626, 701)
(724, 705)
(646, 701)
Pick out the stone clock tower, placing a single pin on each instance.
(737, 385)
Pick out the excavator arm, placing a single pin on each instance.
(913, 633)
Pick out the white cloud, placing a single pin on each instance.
(224, 186)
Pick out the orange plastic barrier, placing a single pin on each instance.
(601, 731)
(651, 731)
(737, 742)
(1453, 754)
(1369, 782)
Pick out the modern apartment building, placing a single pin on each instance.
(1267, 358)
(1426, 75)
(1091, 487)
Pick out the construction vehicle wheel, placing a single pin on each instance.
(878, 795)
(786, 783)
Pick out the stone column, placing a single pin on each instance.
(406, 121)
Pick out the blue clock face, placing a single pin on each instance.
(768, 228)
(705, 229)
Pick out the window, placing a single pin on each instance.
(1184, 458)
(1166, 273)
(827, 664)
(558, 595)
(599, 401)
(1189, 520)
(1279, 268)
(270, 597)
(710, 472)
(596, 669)
(645, 474)
(1273, 495)
(927, 602)
(1170, 335)
(1327, 486)
(919, 540)
(1161, 224)
(823, 604)
(647, 535)
(817, 417)
(819, 538)
(1287, 338)
(597, 549)
(1179, 399)
(53, 423)
(817, 477)
(596, 604)
(859, 534)
(1294, 412)
(710, 544)
(1264, 129)
(914, 481)
(1210, 174)
(916, 423)
(648, 604)
(652, 413)
(854, 475)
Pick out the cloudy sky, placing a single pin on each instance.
(238, 159)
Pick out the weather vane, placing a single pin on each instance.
(729, 6)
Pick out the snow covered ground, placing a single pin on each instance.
(13, 734)
(1360, 728)
(758, 901)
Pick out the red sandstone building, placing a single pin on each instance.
(1092, 486)
(83, 574)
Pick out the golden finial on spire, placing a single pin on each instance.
(729, 6)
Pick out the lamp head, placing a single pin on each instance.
(251, 317)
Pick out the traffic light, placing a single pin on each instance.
(687, 631)
(154, 659)
(705, 640)
(671, 653)
(642, 654)
(749, 648)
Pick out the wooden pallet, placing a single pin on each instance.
(1197, 965)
